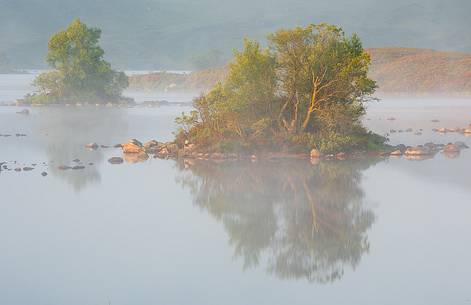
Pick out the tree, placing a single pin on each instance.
(308, 87)
(80, 71)
(319, 68)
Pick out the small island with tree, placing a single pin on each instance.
(306, 90)
(79, 72)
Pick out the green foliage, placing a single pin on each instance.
(308, 88)
(80, 71)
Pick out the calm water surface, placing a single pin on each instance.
(390, 231)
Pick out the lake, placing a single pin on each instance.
(373, 231)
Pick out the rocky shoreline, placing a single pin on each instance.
(135, 151)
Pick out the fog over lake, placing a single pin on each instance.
(370, 231)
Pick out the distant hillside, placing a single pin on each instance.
(196, 81)
(397, 71)
(421, 71)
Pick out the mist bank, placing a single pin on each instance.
(397, 71)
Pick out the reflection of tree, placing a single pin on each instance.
(308, 221)
(67, 130)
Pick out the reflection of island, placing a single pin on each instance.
(65, 132)
(308, 221)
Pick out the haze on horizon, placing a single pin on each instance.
(182, 34)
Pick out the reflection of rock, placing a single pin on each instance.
(396, 153)
(136, 157)
(451, 148)
(308, 221)
(418, 151)
(451, 154)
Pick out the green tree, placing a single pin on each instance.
(308, 87)
(80, 71)
(320, 70)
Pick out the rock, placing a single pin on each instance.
(315, 154)
(92, 146)
(27, 168)
(341, 156)
(396, 153)
(443, 130)
(172, 148)
(418, 133)
(409, 130)
(467, 130)
(44, 174)
(104, 146)
(77, 167)
(150, 144)
(18, 169)
(431, 146)
(76, 160)
(23, 112)
(417, 151)
(132, 147)
(118, 146)
(401, 147)
(217, 156)
(393, 131)
(63, 167)
(116, 160)
(451, 148)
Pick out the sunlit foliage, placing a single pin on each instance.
(310, 84)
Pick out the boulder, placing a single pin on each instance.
(467, 130)
(133, 147)
(92, 146)
(116, 160)
(44, 174)
(151, 146)
(341, 156)
(315, 154)
(218, 156)
(401, 147)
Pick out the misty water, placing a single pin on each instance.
(372, 231)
